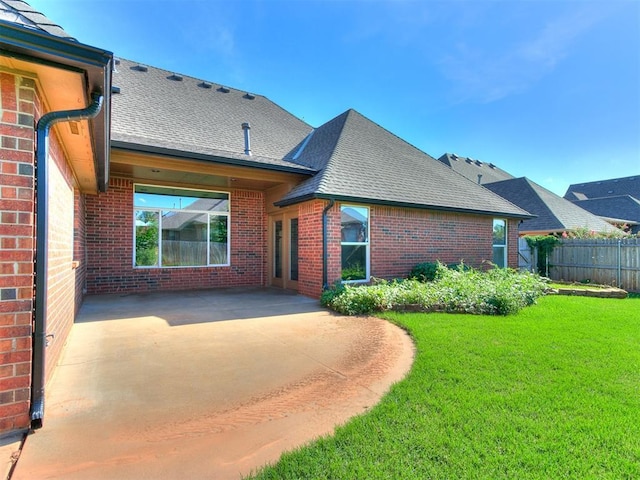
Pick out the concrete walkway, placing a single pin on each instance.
(205, 384)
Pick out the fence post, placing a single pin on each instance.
(619, 262)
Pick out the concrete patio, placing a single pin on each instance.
(205, 384)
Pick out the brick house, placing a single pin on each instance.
(149, 180)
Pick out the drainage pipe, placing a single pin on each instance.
(325, 249)
(42, 255)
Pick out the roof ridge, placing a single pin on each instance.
(185, 76)
(595, 182)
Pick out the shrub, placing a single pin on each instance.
(460, 290)
(328, 295)
(424, 272)
(428, 271)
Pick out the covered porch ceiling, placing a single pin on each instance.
(160, 169)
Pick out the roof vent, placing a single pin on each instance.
(224, 89)
(205, 85)
(140, 68)
(115, 89)
(454, 156)
(249, 96)
(491, 165)
(175, 77)
(247, 138)
(478, 162)
(117, 60)
(469, 160)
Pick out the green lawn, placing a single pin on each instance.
(552, 392)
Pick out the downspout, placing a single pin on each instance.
(325, 248)
(42, 256)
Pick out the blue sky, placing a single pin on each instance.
(545, 89)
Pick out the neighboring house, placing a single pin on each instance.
(617, 200)
(277, 202)
(553, 214)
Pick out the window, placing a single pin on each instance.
(500, 242)
(176, 227)
(355, 243)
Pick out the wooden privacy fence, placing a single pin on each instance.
(603, 261)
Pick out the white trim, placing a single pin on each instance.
(367, 244)
(505, 246)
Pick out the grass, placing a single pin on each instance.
(552, 392)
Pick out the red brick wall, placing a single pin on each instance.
(512, 243)
(109, 218)
(63, 299)
(79, 246)
(310, 248)
(402, 238)
(16, 254)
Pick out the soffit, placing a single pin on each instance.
(194, 173)
(63, 89)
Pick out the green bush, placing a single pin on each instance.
(428, 271)
(461, 290)
(424, 272)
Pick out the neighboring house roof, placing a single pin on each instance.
(158, 111)
(178, 220)
(616, 200)
(362, 162)
(475, 170)
(605, 188)
(21, 13)
(620, 208)
(554, 213)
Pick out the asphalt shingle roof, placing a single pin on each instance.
(17, 11)
(554, 213)
(605, 188)
(621, 207)
(360, 160)
(159, 109)
(471, 169)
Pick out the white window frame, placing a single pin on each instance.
(366, 243)
(500, 245)
(159, 210)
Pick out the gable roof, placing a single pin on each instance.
(475, 170)
(554, 213)
(21, 13)
(159, 111)
(605, 188)
(362, 162)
